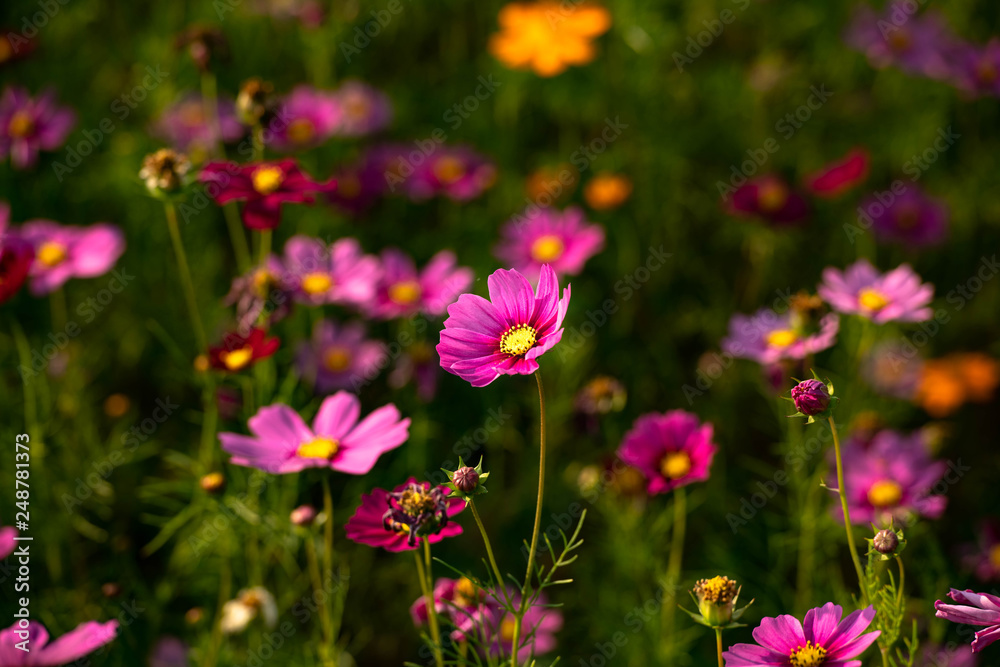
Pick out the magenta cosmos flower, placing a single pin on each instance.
(538, 628)
(483, 340)
(973, 609)
(307, 118)
(823, 639)
(318, 274)
(283, 443)
(7, 541)
(911, 219)
(16, 256)
(914, 44)
(891, 477)
(264, 186)
(28, 125)
(341, 357)
(363, 109)
(767, 337)
(982, 558)
(563, 240)
(861, 290)
(63, 252)
(403, 291)
(401, 519)
(456, 172)
(358, 186)
(672, 449)
(85, 639)
(838, 177)
(976, 69)
(465, 605)
(952, 656)
(770, 198)
(185, 125)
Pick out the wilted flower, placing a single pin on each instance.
(823, 639)
(417, 511)
(265, 186)
(186, 126)
(672, 449)
(340, 357)
(947, 383)
(483, 340)
(282, 442)
(339, 273)
(838, 177)
(63, 252)
(83, 640)
(547, 36)
(16, 257)
(767, 336)
(29, 125)
(248, 605)
(607, 191)
(254, 100)
(165, 171)
(973, 609)
(560, 239)
(914, 44)
(402, 291)
(364, 109)
(771, 198)
(911, 219)
(308, 118)
(894, 296)
(239, 351)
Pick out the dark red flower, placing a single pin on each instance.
(838, 177)
(770, 198)
(265, 186)
(16, 256)
(238, 351)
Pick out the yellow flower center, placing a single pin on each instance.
(301, 130)
(267, 179)
(21, 124)
(885, 493)
(52, 253)
(236, 359)
(810, 655)
(449, 169)
(899, 40)
(405, 292)
(995, 556)
(357, 107)
(872, 299)
(507, 629)
(316, 283)
(517, 340)
(465, 593)
(337, 358)
(547, 248)
(675, 465)
(781, 337)
(772, 195)
(262, 279)
(318, 448)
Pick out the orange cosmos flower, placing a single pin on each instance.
(606, 191)
(547, 36)
(947, 383)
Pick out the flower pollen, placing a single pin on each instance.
(449, 169)
(405, 292)
(318, 448)
(781, 337)
(772, 195)
(547, 248)
(872, 299)
(718, 590)
(316, 283)
(885, 493)
(21, 125)
(810, 655)
(234, 360)
(518, 340)
(51, 253)
(337, 358)
(266, 179)
(675, 465)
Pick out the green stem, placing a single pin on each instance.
(489, 550)
(515, 645)
(328, 561)
(224, 593)
(237, 236)
(324, 612)
(429, 600)
(718, 644)
(902, 581)
(674, 565)
(847, 515)
(187, 284)
(265, 246)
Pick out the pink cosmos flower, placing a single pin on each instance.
(769, 197)
(767, 337)
(976, 69)
(358, 185)
(914, 44)
(891, 477)
(982, 558)
(308, 118)
(939, 656)
(401, 519)
(838, 177)
(403, 291)
(671, 450)
(973, 609)
(283, 443)
(894, 296)
(419, 363)
(538, 628)
(85, 639)
(63, 252)
(169, 652)
(16, 257)
(364, 109)
(912, 218)
(7, 541)
(265, 186)
(28, 125)
(456, 172)
(341, 357)
(562, 240)
(483, 340)
(318, 274)
(261, 292)
(823, 639)
(462, 602)
(186, 126)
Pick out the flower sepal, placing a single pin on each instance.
(887, 544)
(465, 481)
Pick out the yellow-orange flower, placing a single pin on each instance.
(606, 191)
(947, 383)
(547, 36)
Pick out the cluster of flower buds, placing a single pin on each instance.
(416, 512)
(465, 481)
(716, 599)
(813, 399)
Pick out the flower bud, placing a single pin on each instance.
(811, 397)
(885, 541)
(466, 479)
(303, 515)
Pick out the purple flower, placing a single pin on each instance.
(767, 337)
(894, 296)
(811, 397)
(417, 504)
(982, 558)
(912, 218)
(769, 197)
(259, 292)
(456, 172)
(308, 118)
(282, 443)
(939, 656)
(823, 639)
(186, 126)
(85, 639)
(340, 357)
(357, 186)
(538, 627)
(364, 109)
(169, 652)
(28, 125)
(403, 291)
(672, 449)
(892, 477)
(483, 340)
(420, 364)
(973, 609)
(7, 541)
(462, 601)
(562, 240)
(341, 273)
(976, 69)
(914, 44)
(892, 369)
(63, 252)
